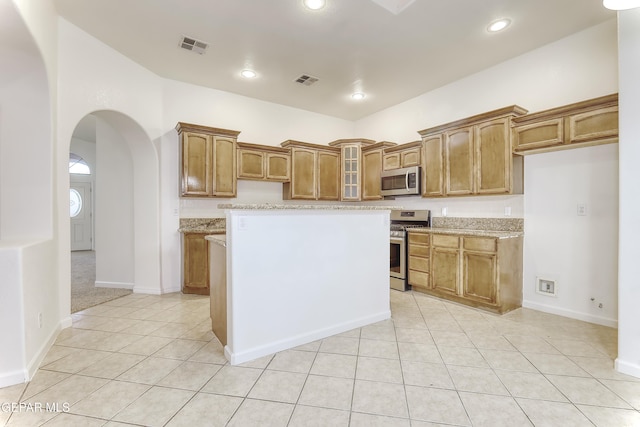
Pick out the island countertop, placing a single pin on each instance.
(269, 206)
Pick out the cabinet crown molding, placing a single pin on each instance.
(294, 143)
(363, 142)
(401, 147)
(189, 127)
(513, 110)
(260, 147)
(575, 108)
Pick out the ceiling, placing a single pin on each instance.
(349, 45)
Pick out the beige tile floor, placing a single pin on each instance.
(152, 360)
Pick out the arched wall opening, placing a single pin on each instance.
(127, 240)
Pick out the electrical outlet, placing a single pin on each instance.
(444, 211)
(507, 211)
(546, 286)
(582, 209)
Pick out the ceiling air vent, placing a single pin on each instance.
(193, 45)
(306, 80)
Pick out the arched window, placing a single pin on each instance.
(78, 165)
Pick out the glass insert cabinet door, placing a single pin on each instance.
(351, 172)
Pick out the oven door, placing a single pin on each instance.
(398, 263)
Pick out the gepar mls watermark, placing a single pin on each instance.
(35, 407)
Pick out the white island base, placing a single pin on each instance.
(299, 274)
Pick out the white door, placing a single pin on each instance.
(80, 212)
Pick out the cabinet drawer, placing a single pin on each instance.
(445, 241)
(420, 251)
(419, 238)
(417, 263)
(485, 244)
(418, 278)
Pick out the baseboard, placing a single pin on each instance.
(172, 289)
(34, 364)
(627, 368)
(598, 320)
(149, 291)
(13, 378)
(117, 285)
(236, 358)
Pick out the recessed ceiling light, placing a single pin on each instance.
(248, 74)
(620, 4)
(358, 96)
(314, 4)
(498, 25)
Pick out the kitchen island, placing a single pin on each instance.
(296, 274)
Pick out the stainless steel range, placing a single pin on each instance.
(400, 222)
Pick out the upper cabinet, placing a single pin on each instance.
(372, 159)
(315, 172)
(582, 124)
(208, 158)
(351, 167)
(472, 156)
(402, 156)
(263, 163)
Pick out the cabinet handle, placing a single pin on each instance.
(406, 181)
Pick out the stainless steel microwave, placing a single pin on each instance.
(401, 182)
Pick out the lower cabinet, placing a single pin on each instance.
(483, 272)
(195, 268)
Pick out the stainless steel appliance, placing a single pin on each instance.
(398, 260)
(400, 182)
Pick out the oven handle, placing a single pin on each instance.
(397, 240)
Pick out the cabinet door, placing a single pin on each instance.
(433, 173)
(196, 164)
(371, 171)
(493, 157)
(546, 133)
(250, 164)
(224, 166)
(444, 270)
(195, 273)
(351, 172)
(459, 161)
(278, 167)
(410, 157)
(593, 125)
(303, 173)
(328, 176)
(479, 276)
(391, 161)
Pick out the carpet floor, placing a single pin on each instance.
(84, 293)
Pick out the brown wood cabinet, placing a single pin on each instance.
(352, 173)
(472, 156)
(315, 172)
(419, 260)
(195, 268)
(586, 123)
(372, 158)
(208, 159)
(402, 156)
(483, 272)
(263, 163)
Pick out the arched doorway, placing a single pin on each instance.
(126, 203)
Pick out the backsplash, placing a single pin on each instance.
(489, 224)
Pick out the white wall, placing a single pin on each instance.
(579, 67)
(628, 360)
(113, 209)
(578, 252)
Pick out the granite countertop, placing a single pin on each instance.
(468, 232)
(269, 206)
(219, 239)
(203, 225)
